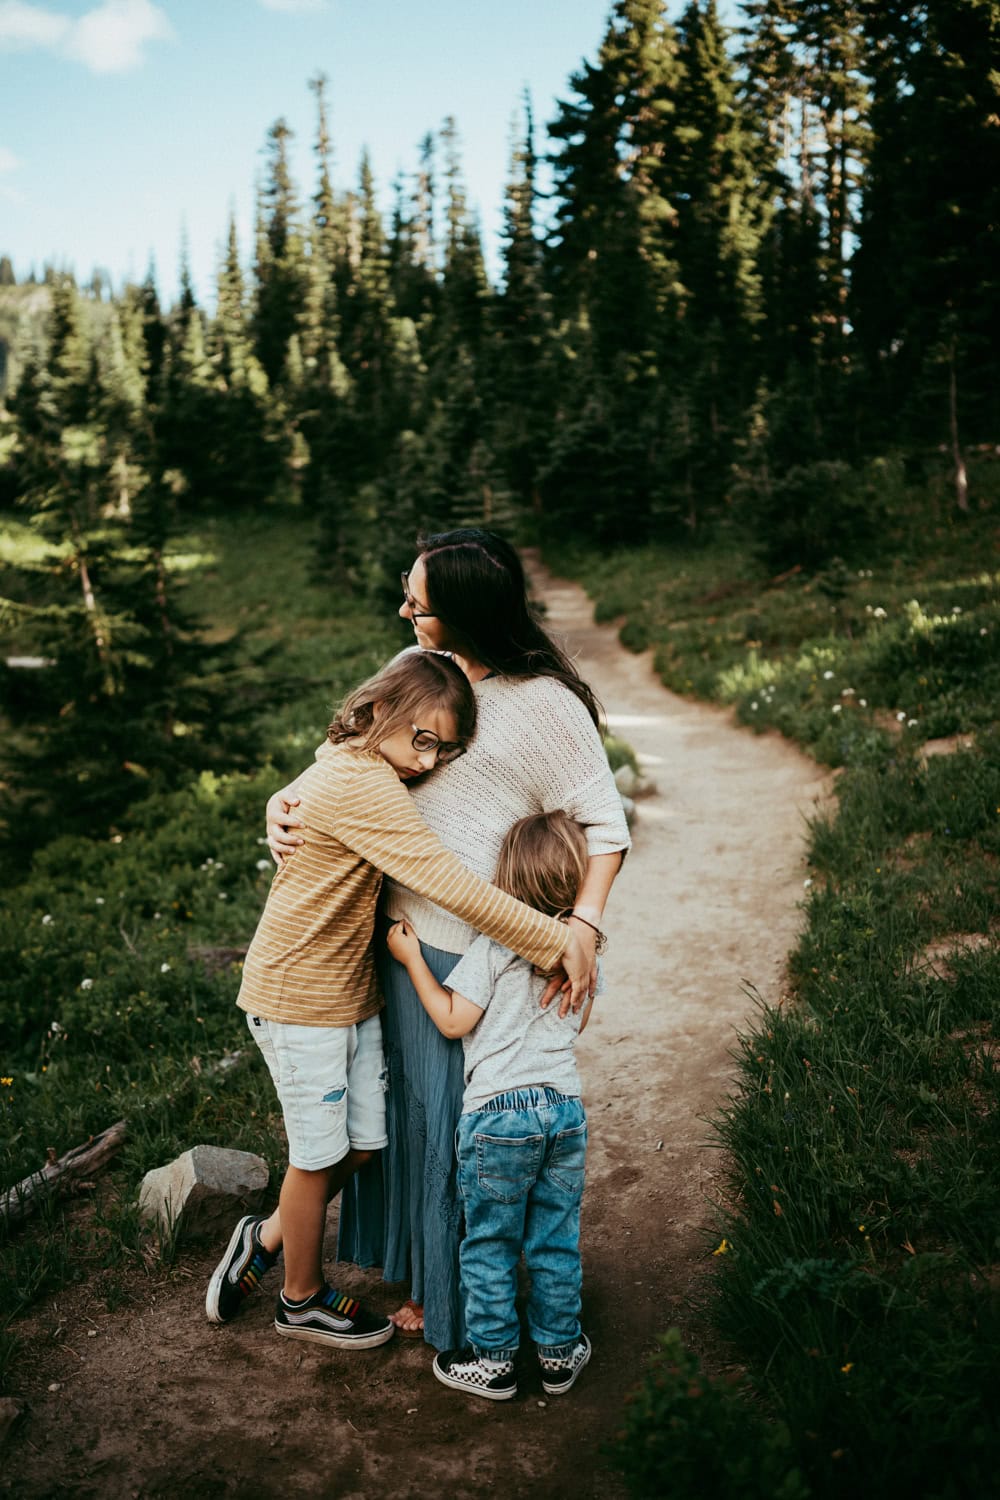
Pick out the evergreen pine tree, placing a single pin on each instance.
(280, 269)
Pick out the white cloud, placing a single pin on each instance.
(23, 25)
(110, 38)
(298, 7)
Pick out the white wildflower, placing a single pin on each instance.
(86, 984)
(98, 900)
(223, 896)
(164, 968)
(827, 676)
(879, 613)
(911, 723)
(263, 864)
(956, 609)
(901, 716)
(863, 702)
(47, 920)
(753, 707)
(837, 708)
(807, 883)
(847, 692)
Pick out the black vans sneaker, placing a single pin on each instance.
(559, 1374)
(239, 1272)
(327, 1317)
(465, 1370)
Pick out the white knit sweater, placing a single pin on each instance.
(535, 750)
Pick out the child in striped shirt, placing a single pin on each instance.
(309, 986)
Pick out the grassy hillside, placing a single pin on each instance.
(857, 1259)
(121, 956)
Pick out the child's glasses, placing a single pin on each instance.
(416, 613)
(426, 739)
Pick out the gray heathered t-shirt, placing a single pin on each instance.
(516, 1045)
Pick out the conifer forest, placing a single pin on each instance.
(746, 306)
(764, 266)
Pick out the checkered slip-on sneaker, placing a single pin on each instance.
(239, 1272)
(559, 1374)
(327, 1317)
(465, 1370)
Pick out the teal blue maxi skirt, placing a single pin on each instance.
(402, 1211)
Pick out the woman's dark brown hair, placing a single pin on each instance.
(476, 587)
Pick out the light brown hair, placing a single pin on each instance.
(543, 861)
(415, 681)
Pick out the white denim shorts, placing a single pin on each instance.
(331, 1084)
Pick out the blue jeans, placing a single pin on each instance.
(521, 1161)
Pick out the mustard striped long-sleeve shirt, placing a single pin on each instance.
(310, 962)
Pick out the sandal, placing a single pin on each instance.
(409, 1306)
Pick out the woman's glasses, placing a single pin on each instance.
(426, 739)
(416, 612)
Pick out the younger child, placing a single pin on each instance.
(309, 984)
(522, 1135)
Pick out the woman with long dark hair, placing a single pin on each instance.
(537, 748)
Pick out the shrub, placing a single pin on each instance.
(689, 1435)
(813, 513)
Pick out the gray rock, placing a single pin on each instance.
(628, 807)
(207, 1186)
(626, 781)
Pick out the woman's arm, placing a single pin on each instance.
(452, 1014)
(591, 898)
(601, 872)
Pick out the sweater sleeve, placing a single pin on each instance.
(571, 767)
(377, 820)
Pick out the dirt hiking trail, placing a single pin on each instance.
(160, 1403)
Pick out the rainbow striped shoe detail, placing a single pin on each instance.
(328, 1317)
(239, 1272)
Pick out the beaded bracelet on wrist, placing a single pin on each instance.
(602, 938)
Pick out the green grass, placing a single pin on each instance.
(257, 576)
(119, 994)
(862, 1139)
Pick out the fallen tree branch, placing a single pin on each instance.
(24, 1197)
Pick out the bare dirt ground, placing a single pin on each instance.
(152, 1401)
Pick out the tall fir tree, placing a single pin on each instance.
(280, 269)
(931, 208)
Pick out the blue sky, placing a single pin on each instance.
(123, 120)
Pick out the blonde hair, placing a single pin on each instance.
(395, 698)
(543, 861)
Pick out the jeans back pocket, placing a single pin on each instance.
(568, 1159)
(507, 1166)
